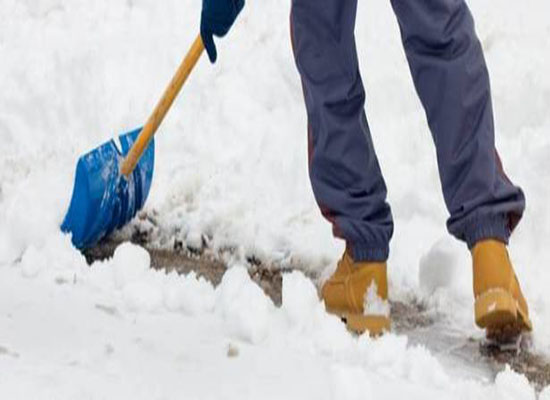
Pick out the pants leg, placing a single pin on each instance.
(452, 81)
(344, 169)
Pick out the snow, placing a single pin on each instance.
(299, 300)
(244, 307)
(232, 172)
(129, 263)
(189, 295)
(440, 268)
(545, 394)
(373, 304)
(86, 341)
(513, 386)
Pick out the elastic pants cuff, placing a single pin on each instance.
(494, 227)
(364, 253)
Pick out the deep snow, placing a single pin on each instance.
(231, 164)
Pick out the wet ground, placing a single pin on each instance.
(463, 355)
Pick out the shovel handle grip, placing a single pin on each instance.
(162, 107)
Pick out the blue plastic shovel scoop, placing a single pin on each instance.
(112, 182)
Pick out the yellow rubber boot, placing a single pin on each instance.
(358, 293)
(499, 303)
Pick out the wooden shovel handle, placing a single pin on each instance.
(162, 107)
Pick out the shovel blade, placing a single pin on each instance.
(103, 200)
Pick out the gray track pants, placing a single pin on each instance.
(451, 79)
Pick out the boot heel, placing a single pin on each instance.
(375, 324)
(495, 308)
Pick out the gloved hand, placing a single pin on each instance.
(216, 19)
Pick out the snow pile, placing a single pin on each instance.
(115, 346)
(188, 294)
(244, 307)
(129, 263)
(143, 289)
(300, 301)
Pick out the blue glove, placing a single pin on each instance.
(216, 19)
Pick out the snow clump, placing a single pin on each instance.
(245, 309)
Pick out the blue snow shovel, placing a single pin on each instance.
(112, 182)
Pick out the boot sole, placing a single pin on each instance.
(376, 325)
(497, 310)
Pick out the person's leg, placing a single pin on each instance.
(452, 81)
(344, 170)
